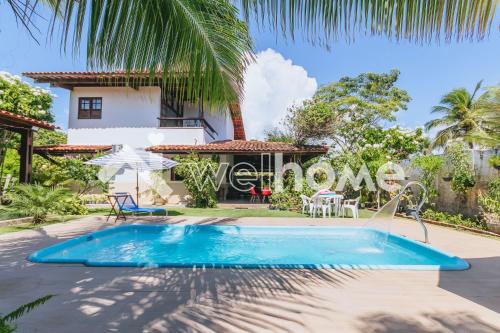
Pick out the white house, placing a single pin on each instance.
(106, 109)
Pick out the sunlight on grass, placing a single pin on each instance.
(177, 211)
(30, 226)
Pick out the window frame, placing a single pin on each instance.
(93, 113)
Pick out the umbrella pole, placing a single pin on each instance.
(137, 185)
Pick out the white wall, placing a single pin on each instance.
(129, 116)
(121, 107)
(137, 137)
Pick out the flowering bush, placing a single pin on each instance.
(20, 97)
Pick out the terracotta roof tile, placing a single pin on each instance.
(50, 76)
(239, 146)
(71, 149)
(239, 129)
(26, 121)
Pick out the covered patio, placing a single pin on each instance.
(25, 126)
(249, 162)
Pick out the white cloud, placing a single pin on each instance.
(272, 84)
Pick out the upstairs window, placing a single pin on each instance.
(89, 108)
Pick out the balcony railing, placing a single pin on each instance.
(187, 122)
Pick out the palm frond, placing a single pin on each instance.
(441, 109)
(443, 137)
(415, 20)
(474, 119)
(20, 311)
(199, 48)
(476, 89)
(434, 123)
(491, 140)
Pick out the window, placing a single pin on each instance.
(89, 108)
(174, 176)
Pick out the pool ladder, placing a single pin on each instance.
(416, 211)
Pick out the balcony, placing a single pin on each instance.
(188, 122)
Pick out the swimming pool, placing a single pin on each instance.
(248, 247)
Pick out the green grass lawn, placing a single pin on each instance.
(200, 212)
(6, 215)
(251, 212)
(30, 226)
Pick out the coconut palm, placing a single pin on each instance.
(476, 120)
(202, 48)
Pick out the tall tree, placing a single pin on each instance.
(343, 111)
(475, 119)
(206, 42)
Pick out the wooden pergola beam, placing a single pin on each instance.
(26, 154)
(24, 126)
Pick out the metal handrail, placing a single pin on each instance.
(416, 212)
(202, 120)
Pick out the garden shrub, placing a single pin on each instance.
(37, 201)
(198, 175)
(429, 166)
(494, 161)
(456, 219)
(285, 200)
(288, 198)
(459, 162)
(70, 206)
(94, 198)
(490, 201)
(67, 172)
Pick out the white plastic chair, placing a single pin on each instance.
(306, 204)
(315, 206)
(352, 205)
(336, 202)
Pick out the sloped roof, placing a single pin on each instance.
(71, 149)
(240, 146)
(237, 117)
(23, 121)
(48, 77)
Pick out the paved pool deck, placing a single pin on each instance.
(108, 299)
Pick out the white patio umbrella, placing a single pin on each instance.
(134, 159)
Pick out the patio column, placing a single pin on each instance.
(26, 154)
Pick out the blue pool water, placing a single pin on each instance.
(247, 247)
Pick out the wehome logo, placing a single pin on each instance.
(386, 177)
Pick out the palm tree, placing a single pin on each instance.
(202, 48)
(36, 201)
(476, 120)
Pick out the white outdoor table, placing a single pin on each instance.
(335, 199)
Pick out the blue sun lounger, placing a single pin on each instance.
(122, 202)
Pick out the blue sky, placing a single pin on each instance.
(427, 71)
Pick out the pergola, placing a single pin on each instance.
(25, 127)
